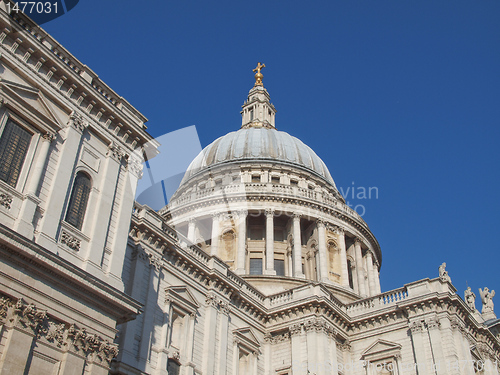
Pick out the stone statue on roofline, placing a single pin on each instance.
(443, 274)
(470, 298)
(488, 306)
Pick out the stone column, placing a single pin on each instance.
(208, 363)
(189, 345)
(421, 358)
(270, 242)
(376, 277)
(242, 237)
(297, 366)
(24, 224)
(161, 367)
(104, 205)
(41, 160)
(436, 344)
(191, 234)
(323, 260)
(125, 206)
(359, 268)
(214, 244)
(343, 257)
(61, 182)
(297, 248)
(150, 305)
(369, 270)
(223, 337)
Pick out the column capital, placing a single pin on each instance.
(321, 223)
(338, 230)
(369, 253)
(240, 213)
(358, 240)
(115, 152)
(49, 137)
(192, 220)
(216, 215)
(269, 211)
(76, 121)
(297, 215)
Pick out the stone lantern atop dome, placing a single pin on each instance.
(258, 111)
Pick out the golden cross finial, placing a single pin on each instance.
(258, 74)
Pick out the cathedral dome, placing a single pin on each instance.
(259, 144)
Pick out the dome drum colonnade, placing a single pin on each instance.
(266, 204)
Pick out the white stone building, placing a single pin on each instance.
(257, 266)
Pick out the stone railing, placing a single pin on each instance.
(386, 299)
(294, 191)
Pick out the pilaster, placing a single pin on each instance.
(297, 247)
(323, 260)
(270, 242)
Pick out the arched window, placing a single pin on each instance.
(14, 144)
(78, 200)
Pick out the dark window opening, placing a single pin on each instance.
(14, 145)
(78, 201)
(279, 267)
(255, 266)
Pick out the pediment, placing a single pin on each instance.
(246, 338)
(33, 99)
(181, 297)
(381, 348)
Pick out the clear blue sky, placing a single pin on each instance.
(399, 95)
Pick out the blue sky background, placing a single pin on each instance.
(399, 95)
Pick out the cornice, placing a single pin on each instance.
(69, 81)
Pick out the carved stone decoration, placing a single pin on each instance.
(30, 316)
(277, 339)
(70, 241)
(76, 120)
(487, 299)
(49, 137)
(443, 274)
(5, 200)
(135, 166)
(295, 329)
(5, 304)
(211, 300)
(470, 298)
(416, 327)
(433, 323)
(115, 152)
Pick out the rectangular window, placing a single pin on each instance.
(255, 178)
(255, 266)
(14, 144)
(294, 182)
(279, 235)
(256, 234)
(275, 180)
(279, 267)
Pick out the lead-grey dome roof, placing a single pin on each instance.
(255, 144)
